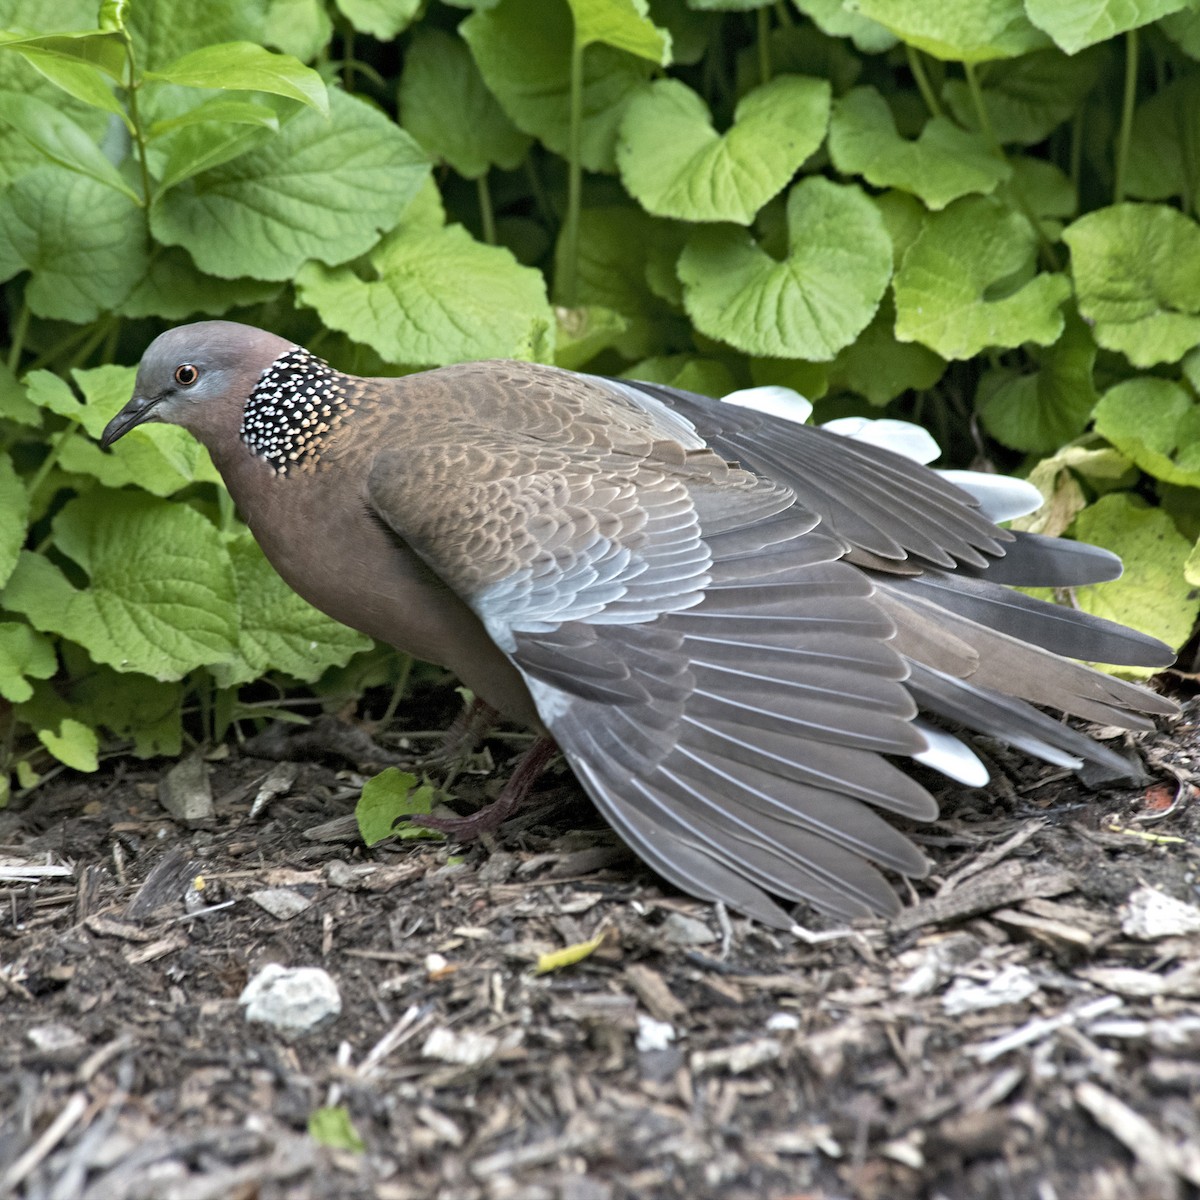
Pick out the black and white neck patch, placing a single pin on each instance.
(296, 402)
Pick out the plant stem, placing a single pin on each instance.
(980, 104)
(139, 133)
(406, 666)
(486, 215)
(574, 181)
(48, 462)
(783, 13)
(763, 39)
(1127, 104)
(20, 329)
(917, 67)
(1076, 163)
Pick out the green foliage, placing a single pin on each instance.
(977, 208)
(393, 795)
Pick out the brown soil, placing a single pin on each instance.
(1010, 1035)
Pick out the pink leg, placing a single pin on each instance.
(491, 817)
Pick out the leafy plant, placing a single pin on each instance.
(981, 216)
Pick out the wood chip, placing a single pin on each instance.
(651, 989)
(1138, 1135)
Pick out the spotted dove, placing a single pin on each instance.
(731, 623)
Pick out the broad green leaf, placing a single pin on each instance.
(24, 655)
(1028, 97)
(967, 283)
(809, 305)
(1156, 423)
(14, 517)
(132, 707)
(279, 631)
(836, 18)
(1136, 268)
(72, 743)
(942, 164)
(320, 190)
(331, 1126)
(95, 48)
(434, 297)
(51, 392)
(173, 289)
(707, 376)
(84, 243)
(15, 405)
(446, 106)
(1183, 28)
(194, 149)
(618, 249)
(298, 27)
(1164, 149)
(903, 217)
(959, 30)
(1057, 478)
(1153, 595)
(217, 110)
(244, 67)
(623, 25)
(164, 30)
(581, 333)
(1040, 412)
(161, 459)
(387, 798)
(675, 163)
(1074, 24)
(1043, 189)
(56, 136)
(77, 78)
(382, 19)
(523, 50)
(877, 366)
(162, 596)
(811, 380)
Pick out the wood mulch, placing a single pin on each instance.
(1028, 1027)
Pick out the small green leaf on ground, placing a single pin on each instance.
(393, 795)
(968, 283)
(568, 956)
(942, 164)
(331, 1126)
(811, 304)
(675, 163)
(1135, 268)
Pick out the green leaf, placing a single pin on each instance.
(195, 148)
(446, 106)
(14, 516)
(162, 597)
(809, 305)
(139, 710)
(102, 50)
(581, 333)
(967, 283)
(1057, 478)
(1038, 413)
(165, 29)
(1074, 24)
(1027, 98)
(1153, 594)
(298, 27)
(84, 243)
(941, 165)
(1183, 28)
(1135, 268)
(1156, 423)
(14, 403)
(244, 67)
(387, 798)
(24, 655)
(331, 1126)
(52, 393)
(161, 459)
(623, 25)
(1164, 148)
(958, 30)
(61, 140)
(382, 19)
(676, 164)
(523, 51)
(278, 630)
(72, 743)
(173, 289)
(217, 110)
(320, 190)
(435, 296)
(707, 376)
(77, 78)
(877, 366)
(837, 19)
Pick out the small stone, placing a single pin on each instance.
(281, 903)
(687, 931)
(185, 792)
(652, 1034)
(463, 1049)
(1151, 914)
(292, 1000)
